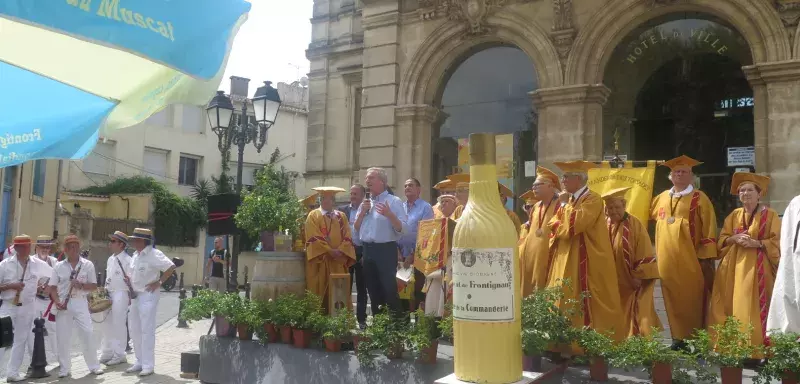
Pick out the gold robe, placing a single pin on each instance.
(534, 252)
(680, 246)
(634, 257)
(326, 232)
(457, 213)
(744, 279)
(580, 251)
(515, 219)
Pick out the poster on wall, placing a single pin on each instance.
(504, 161)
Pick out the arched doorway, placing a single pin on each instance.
(678, 88)
(488, 92)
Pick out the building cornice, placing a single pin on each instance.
(575, 94)
(776, 72)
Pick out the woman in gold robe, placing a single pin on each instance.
(329, 245)
(637, 270)
(534, 248)
(749, 247)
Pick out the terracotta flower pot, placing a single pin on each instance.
(731, 375)
(395, 352)
(302, 338)
(532, 363)
(789, 377)
(428, 355)
(272, 332)
(245, 334)
(286, 334)
(333, 345)
(224, 327)
(661, 373)
(598, 370)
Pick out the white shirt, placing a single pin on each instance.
(51, 262)
(685, 192)
(62, 273)
(147, 267)
(114, 274)
(579, 192)
(784, 309)
(11, 272)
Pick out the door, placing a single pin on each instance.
(5, 204)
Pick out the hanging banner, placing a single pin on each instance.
(640, 179)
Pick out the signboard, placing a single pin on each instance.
(741, 156)
(742, 170)
(483, 284)
(530, 169)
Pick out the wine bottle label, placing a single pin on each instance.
(483, 284)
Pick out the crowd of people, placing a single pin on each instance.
(574, 234)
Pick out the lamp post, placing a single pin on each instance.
(266, 103)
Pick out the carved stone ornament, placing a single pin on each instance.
(789, 11)
(563, 32)
(472, 12)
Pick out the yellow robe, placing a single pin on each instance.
(634, 257)
(515, 219)
(744, 279)
(324, 234)
(581, 252)
(457, 213)
(534, 252)
(680, 246)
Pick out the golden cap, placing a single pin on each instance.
(575, 166)
(445, 185)
(529, 197)
(618, 193)
(309, 200)
(328, 191)
(681, 161)
(544, 173)
(504, 191)
(459, 178)
(762, 182)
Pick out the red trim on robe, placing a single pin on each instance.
(763, 302)
(583, 276)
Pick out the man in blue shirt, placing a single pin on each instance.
(380, 223)
(416, 210)
(357, 193)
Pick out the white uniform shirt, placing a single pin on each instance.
(63, 271)
(11, 272)
(51, 262)
(147, 267)
(114, 275)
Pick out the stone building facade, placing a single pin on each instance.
(379, 69)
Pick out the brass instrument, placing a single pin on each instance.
(127, 280)
(74, 275)
(19, 292)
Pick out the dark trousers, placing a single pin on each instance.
(357, 276)
(380, 271)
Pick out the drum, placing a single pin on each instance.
(99, 300)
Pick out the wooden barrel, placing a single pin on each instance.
(276, 273)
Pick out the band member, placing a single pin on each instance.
(637, 270)
(686, 245)
(72, 280)
(784, 308)
(150, 269)
(18, 276)
(118, 272)
(749, 245)
(329, 248)
(535, 246)
(43, 252)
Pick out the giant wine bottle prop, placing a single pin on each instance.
(486, 304)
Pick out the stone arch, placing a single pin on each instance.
(756, 20)
(430, 66)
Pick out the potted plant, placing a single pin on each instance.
(226, 307)
(423, 337)
(267, 310)
(386, 334)
(446, 324)
(598, 348)
(200, 307)
(727, 345)
(307, 319)
(649, 352)
(337, 328)
(284, 311)
(247, 319)
(545, 324)
(784, 359)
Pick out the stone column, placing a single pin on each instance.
(570, 122)
(415, 127)
(776, 91)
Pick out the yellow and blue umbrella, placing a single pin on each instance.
(69, 68)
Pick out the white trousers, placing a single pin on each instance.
(115, 332)
(77, 315)
(50, 340)
(22, 322)
(142, 323)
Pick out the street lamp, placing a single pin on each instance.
(266, 104)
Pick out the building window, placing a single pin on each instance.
(187, 170)
(162, 118)
(101, 160)
(192, 119)
(248, 174)
(39, 176)
(155, 163)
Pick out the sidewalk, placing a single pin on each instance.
(170, 342)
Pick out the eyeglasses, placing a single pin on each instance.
(537, 185)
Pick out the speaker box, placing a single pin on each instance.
(221, 209)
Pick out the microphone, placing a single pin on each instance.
(367, 196)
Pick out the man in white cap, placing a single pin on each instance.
(150, 269)
(44, 245)
(18, 276)
(118, 272)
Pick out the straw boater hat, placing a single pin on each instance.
(762, 182)
(529, 197)
(44, 241)
(546, 174)
(328, 191)
(22, 240)
(681, 161)
(575, 166)
(71, 239)
(618, 193)
(142, 233)
(119, 236)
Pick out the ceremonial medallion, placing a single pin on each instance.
(539, 232)
(670, 220)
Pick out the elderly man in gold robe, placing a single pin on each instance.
(534, 251)
(462, 192)
(529, 199)
(686, 245)
(447, 205)
(581, 252)
(637, 270)
(329, 244)
(749, 246)
(445, 187)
